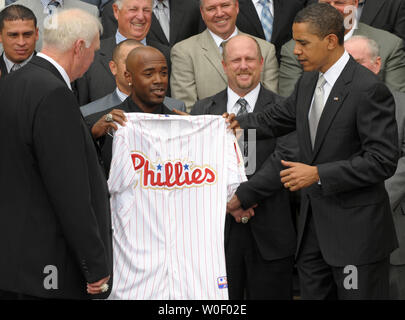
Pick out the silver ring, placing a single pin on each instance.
(245, 220)
(104, 287)
(108, 117)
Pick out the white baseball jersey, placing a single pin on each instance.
(170, 180)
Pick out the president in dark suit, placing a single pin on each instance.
(345, 121)
(260, 252)
(98, 80)
(54, 208)
(283, 14)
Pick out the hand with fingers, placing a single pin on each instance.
(108, 122)
(298, 175)
(180, 113)
(98, 287)
(234, 208)
(230, 119)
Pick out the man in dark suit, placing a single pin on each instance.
(366, 52)
(388, 15)
(147, 73)
(54, 208)
(260, 252)
(134, 19)
(18, 35)
(122, 89)
(283, 13)
(183, 16)
(345, 121)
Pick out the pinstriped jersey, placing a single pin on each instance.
(170, 180)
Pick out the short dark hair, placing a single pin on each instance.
(16, 12)
(323, 19)
(127, 42)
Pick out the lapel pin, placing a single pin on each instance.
(336, 98)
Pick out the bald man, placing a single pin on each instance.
(147, 76)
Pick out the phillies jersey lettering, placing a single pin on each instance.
(170, 180)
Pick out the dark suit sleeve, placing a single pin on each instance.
(399, 27)
(266, 180)
(276, 121)
(60, 149)
(377, 160)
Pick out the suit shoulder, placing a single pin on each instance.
(202, 106)
(187, 44)
(382, 37)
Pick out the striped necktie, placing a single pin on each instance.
(243, 144)
(266, 19)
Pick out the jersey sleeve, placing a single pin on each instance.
(122, 173)
(235, 164)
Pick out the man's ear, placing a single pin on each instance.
(115, 11)
(333, 41)
(127, 76)
(113, 67)
(79, 46)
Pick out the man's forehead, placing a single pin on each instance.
(19, 23)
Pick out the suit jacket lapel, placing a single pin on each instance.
(219, 103)
(332, 105)
(370, 11)
(247, 8)
(105, 53)
(211, 52)
(177, 11)
(3, 67)
(309, 87)
(278, 15)
(158, 31)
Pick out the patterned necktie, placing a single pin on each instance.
(266, 19)
(317, 108)
(53, 6)
(163, 19)
(243, 110)
(15, 67)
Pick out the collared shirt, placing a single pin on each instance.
(121, 95)
(259, 7)
(10, 64)
(46, 2)
(251, 98)
(331, 75)
(166, 8)
(218, 40)
(119, 38)
(58, 67)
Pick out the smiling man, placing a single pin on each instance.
(134, 20)
(260, 250)
(147, 76)
(197, 70)
(18, 34)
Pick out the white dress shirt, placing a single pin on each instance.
(251, 98)
(121, 95)
(58, 67)
(10, 64)
(331, 75)
(218, 40)
(119, 38)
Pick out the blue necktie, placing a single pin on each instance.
(266, 19)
